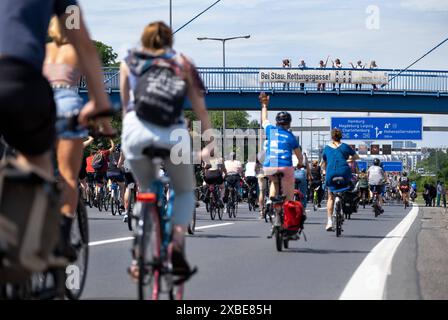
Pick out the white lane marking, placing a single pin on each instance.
(369, 280)
(214, 225)
(99, 243)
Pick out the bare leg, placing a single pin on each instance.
(69, 154)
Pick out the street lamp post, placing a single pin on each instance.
(171, 14)
(311, 120)
(224, 40)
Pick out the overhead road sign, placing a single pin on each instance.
(372, 128)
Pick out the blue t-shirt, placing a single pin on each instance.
(280, 146)
(337, 166)
(24, 27)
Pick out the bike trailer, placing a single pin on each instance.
(29, 221)
(293, 216)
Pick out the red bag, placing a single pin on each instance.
(293, 215)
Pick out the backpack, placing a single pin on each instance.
(29, 230)
(293, 216)
(160, 91)
(98, 161)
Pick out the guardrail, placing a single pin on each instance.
(246, 79)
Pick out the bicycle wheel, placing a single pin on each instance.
(130, 210)
(99, 202)
(148, 242)
(338, 208)
(113, 210)
(106, 201)
(80, 241)
(212, 209)
(220, 212)
(192, 225)
(278, 239)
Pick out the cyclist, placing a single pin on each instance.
(364, 186)
(27, 108)
(335, 159)
(234, 171)
(250, 177)
(281, 146)
(100, 164)
(129, 184)
(316, 181)
(115, 173)
(214, 175)
(377, 179)
(83, 171)
(404, 187)
(145, 126)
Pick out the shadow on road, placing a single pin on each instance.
(216, 236)
(322, 251)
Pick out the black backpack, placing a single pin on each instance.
(160, 94)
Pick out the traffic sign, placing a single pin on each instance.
(379, 128)
(393, 166)
(362, 165)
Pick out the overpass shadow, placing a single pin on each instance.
(221, 236)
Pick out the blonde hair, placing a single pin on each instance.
(157, 36)
(56, 33)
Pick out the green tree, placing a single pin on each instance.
(107, 54)
(234, 119)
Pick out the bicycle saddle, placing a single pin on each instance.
(338, 180)
(155, 152)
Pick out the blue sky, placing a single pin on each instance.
(296, 29)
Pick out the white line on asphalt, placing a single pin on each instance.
(214, 225)
(99, 243)
(369, 280)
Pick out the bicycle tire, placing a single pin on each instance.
(82, 250)
(220, 213)
(286, 243)
(212, 211)
(106, 202)
(338, 218)
(192, 225)
(278, 239)
(99, 203)
(112, 207)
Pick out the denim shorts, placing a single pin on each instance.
(68, 104)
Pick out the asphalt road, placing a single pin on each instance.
(237, 261)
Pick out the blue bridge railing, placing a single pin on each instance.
(246, 79)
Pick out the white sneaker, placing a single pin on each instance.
(329, 226)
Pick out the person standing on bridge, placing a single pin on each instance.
(373, 66)
(322, 65)
(359, 66)
(337, 65)
(286, 65)
(302, 66)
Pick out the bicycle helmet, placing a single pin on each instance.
(376, 162)
(283, 118)
(100, 146)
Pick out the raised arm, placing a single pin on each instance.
(124, 86)
(264, 101)
(88, 142)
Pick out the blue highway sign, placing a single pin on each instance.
(371, 128)
(393, 166)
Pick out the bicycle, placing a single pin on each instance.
(252, 196)
(339, 203)
(232, 202)
(152, 243)
(114, 198)
(132, 200)
(213, 203)
(375, 203)
(282, 235)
